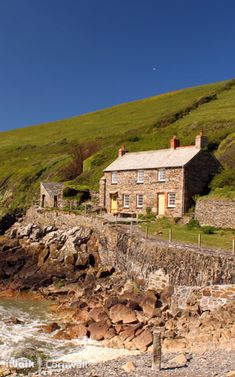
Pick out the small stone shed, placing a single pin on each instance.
(51, 195)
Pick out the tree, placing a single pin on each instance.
(79, 153)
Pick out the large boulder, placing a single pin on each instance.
(143, 340)
(82, 315)
(129, 333)
(98, 330)
(149, 304)
(76, 331)
(51, 327)
(121, 313)
(98, 314)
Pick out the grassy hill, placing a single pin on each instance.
(32, 154)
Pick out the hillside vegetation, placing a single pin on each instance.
(42, 152)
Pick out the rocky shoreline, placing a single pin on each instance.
(206, 364)
(95, 301)
(217, 363)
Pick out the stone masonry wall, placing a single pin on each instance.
(127, 184)
(208, 298)
(155, 262)
(49, 200)
(160, 264)
(216, 212)
(197, 174)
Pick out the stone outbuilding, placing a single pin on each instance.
(164, 181)
(51, 195)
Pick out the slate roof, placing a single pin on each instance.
(53, 188)
(162, 158)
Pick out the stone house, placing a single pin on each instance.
(51, 195)
(163, 180)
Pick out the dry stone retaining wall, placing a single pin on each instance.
(217, 213)
(155, 262)
(208, 298)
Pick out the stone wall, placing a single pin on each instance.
(127, 184)
(184, 182)
(51, 200)
(197, 174)
(60, 219)
(216, 212)
(208, 298)
(156, 262)
(160, 264)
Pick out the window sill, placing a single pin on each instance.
(139, 182)
(161, 181)
(114, 183)
(171, 207)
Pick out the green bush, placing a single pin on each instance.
(81, 195)
(69, 192)
(225, 178)
(133, 139)
(149, 216)
(208, 229)
(193, 224)
(98, 159)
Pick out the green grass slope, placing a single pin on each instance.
(32, 154)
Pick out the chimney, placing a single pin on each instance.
(122, 151)
(201, 141)
(174, 142)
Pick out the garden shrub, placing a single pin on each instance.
(208, 229)
(193, 224)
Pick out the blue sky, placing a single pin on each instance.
(60, 58)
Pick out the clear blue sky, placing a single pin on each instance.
(60, 58)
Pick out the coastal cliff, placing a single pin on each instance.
(115, 286)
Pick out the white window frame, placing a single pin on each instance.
(114, 177)
(171, 199)
(162, 175)
(139, 203)
(140, 176)
(126, 201)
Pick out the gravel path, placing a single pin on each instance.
(208, 364)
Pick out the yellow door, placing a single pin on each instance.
(161, 204)
(114, 204)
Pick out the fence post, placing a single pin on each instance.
(170, 235)
(131, 227)
(146, 232)
(199, 241)
(157, 352)
(233, 245)
(85, 209)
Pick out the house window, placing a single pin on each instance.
(126, 201)
(171, 199)
(139, 201)
(140, 176)
(162, 175)
(114, 177)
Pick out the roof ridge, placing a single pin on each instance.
(163, 149)
(154, 158)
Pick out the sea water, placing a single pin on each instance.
(25, 344)
(26, 339)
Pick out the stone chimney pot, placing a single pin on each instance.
(122, 151)
(175, 143)
(201, 140)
